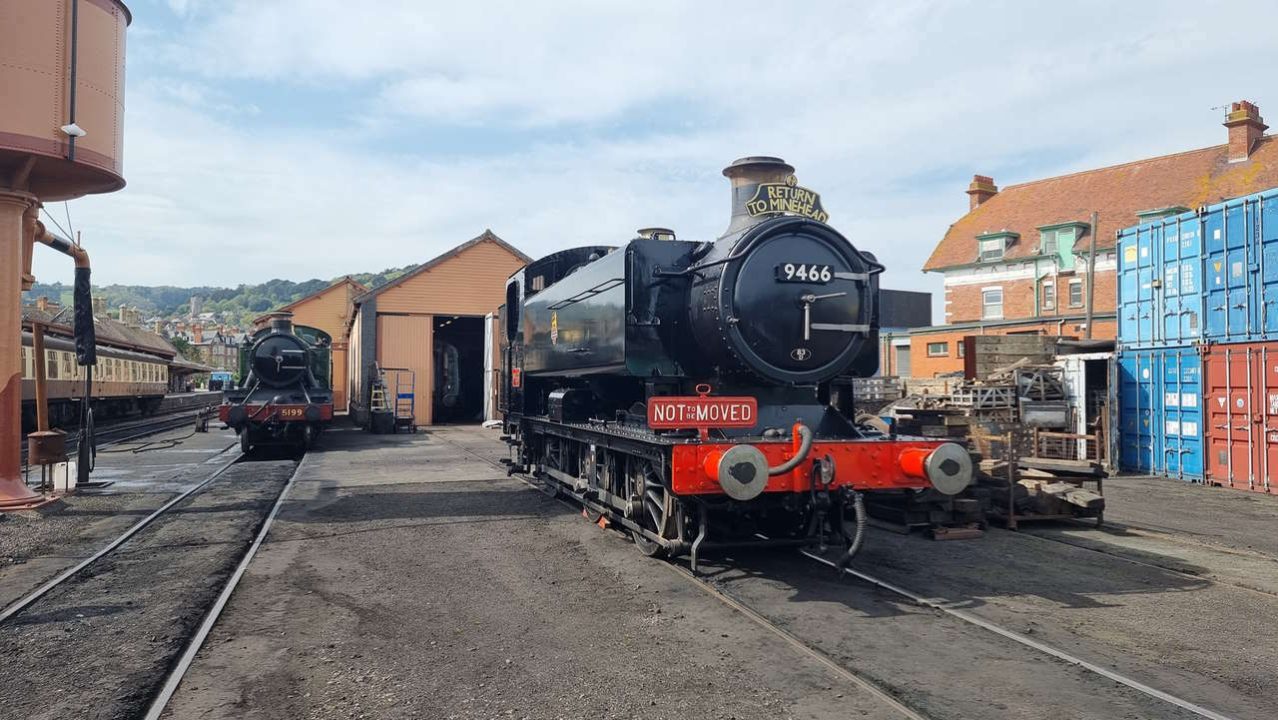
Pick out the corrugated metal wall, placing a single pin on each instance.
(1197, 298)
(1160, 412)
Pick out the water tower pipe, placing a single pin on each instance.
(75, 62)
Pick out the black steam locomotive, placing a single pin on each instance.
(694, 390)
(285, 397)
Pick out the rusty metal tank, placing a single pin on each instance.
(62, 96)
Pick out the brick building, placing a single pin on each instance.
(219, 350)
(1019, 260)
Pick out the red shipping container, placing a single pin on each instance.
(1240, 384)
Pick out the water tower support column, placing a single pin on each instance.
(14, 494)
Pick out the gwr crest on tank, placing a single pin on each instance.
(787, 197)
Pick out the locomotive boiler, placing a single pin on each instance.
(285, 397)
(699, 394)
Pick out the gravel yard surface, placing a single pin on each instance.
(98, 646)
(432, 586)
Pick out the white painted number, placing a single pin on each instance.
(814, 273)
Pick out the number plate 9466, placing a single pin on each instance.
(804, 273)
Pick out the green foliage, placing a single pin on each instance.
(241, 304)
(188, 351)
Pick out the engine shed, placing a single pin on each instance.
(438, 324)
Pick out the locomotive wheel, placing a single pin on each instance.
(659, 509)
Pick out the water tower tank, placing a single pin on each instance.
(62, 62)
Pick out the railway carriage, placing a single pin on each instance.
(125, 382)
(699, 394)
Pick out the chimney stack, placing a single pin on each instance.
(981, 189)
(197, 333)
(281, 322)
(159, 327)
(42, 303)
(746, 175)
(124, 313)
(1245, 128)
(99, 306)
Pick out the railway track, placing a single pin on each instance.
(162, 583)
(128, 430)
(886, 692)
(1119, 554)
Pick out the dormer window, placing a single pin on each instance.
(1059, 240)
(991, 247)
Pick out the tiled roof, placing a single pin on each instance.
(1190, 179)
(108, 331)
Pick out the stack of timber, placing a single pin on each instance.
(873, 394)
(1015, 486)
(985, 356)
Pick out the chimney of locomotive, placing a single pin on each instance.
(282, 322)
(746, 175)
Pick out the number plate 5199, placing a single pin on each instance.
(804, 273)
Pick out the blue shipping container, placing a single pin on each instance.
(1160, 412)
(1160, 291)
(1210, 275)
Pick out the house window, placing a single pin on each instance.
(961, 347)
(941, 349)
(1052, 241)
(992, 304)
(1049, 296)
(1076, 293)
(992, 248)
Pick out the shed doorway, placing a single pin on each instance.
(458, 369)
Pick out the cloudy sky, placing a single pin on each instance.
(311, 138)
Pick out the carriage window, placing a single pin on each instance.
(28, 363)
(51, 364)
(68, 366)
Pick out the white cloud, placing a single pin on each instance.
(886, 108)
